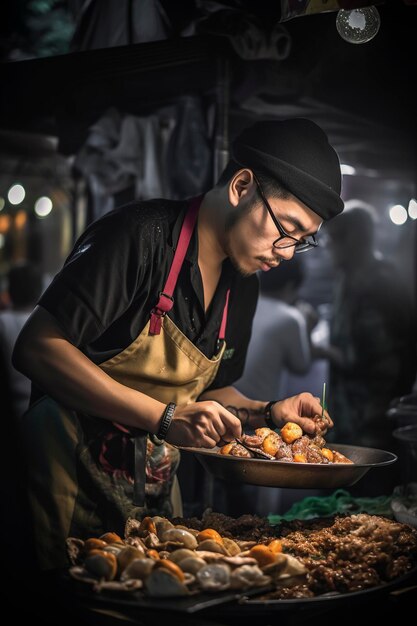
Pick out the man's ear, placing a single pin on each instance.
(240, 186)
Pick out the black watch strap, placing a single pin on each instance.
(268, 416)
(165, 423)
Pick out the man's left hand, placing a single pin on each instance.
(305, 410)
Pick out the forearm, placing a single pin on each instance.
(250, 412)
(65, 373)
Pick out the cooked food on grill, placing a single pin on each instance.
(298, 559)
(289, 445)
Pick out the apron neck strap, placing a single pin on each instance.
(222, 331)
(166, 301)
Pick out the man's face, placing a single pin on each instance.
(251, 232)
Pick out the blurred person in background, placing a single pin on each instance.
(24, 287)
(280, 341)
(372, 351)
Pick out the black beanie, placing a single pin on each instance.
(297, 154)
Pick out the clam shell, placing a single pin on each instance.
(161, 524)
(152, 541)
(193, 531)
(114, 548)
(162, 584)
(212, 546)
(214, 577)
(192, 564)
(231, 546)
(74, 548)
(179, 555)
(127, 555)
(248, 576)
(118, 585)
(132, 527)
(138, 569)
(181, 537)
(285, 566)
(136, 542)
(100, 567)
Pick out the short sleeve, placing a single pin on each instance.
(242, 306)
(99, 278)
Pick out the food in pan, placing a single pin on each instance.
(291, 444)
(166, 559)
(298, 559)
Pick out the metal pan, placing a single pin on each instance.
(294, 475)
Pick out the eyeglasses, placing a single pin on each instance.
(285, 240)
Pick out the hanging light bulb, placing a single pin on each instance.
(358, 25)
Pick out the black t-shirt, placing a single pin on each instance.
(103, 296)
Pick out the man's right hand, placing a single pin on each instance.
(203, 425)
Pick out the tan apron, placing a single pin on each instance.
(74, 487)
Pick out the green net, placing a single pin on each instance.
(338, 502)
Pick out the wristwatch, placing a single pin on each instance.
(268, 415)
(164, 424)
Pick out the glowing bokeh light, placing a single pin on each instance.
(2, 203)
(16, 194)
(43, 206)
(347, 170)
(2, 240)
(398, 214)
(412, 209)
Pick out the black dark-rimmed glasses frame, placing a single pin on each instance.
(300, 245)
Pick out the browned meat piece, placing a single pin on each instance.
(318, 441)
(300, 445)
(338, 457)
(284, 452)
(240, 451)
(314, 455)
(253, 441)
(322, 424)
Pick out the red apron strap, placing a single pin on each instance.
(166, 301)
(222, 331)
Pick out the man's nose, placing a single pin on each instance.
(285, 253)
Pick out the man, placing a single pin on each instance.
(372, 350)
(145, 330)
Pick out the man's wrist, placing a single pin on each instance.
(268, 415)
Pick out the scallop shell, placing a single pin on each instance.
(162, 584)
(214, 577)
(180, 537)
(138, 569)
